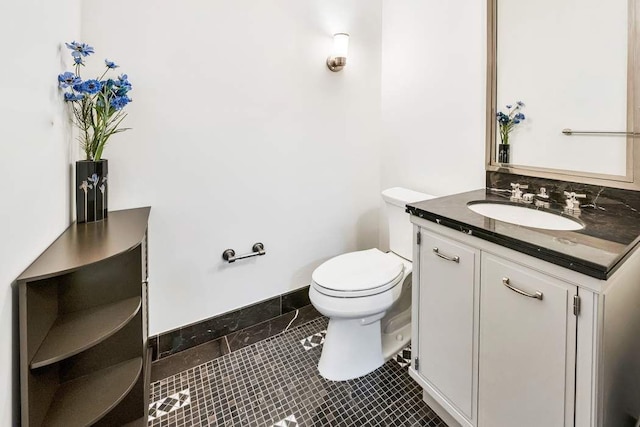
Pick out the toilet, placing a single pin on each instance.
(367, 297)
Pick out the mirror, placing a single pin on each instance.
(572, 64)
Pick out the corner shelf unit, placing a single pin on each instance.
(84, 358)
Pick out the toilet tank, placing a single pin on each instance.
(400, 227)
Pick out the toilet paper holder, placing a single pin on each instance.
(229, 255)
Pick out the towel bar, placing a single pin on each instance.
(570, 132)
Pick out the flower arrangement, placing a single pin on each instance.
(97, 104)
(509, 120)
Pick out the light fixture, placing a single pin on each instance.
(338, 58)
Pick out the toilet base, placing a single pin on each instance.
(350, 349)
(394, 342)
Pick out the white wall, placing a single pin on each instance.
(241, 134)
(37, 155)
(433, 95)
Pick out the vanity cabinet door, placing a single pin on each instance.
(527, 347)
(447, 323)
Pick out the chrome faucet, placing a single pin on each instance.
(572, 202)
(516, 191)
(542, 198)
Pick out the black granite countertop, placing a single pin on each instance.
(609, 234)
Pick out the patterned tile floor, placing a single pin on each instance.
(275, 382)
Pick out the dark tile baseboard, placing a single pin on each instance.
(194, 356)
(226, 324)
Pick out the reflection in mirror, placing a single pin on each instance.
(571, 63)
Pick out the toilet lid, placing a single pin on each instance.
(358, 271)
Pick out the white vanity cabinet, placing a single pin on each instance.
(503, 339)
(527, 351)
(448, 320)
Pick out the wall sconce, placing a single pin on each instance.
(338, 58)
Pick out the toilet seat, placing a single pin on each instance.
(358, 274)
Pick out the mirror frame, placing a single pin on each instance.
(631, 180)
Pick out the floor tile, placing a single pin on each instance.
(403, 358)
(290, 421)
(276, 381)
(314, 340)
(169, 404)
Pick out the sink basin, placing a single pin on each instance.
(525, 216)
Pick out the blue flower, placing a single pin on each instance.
(509, 119)
(68, 96)
(89, 86)
(502, 118)
(80, 49)
(101, 98)
(123, 82)
(119, 102)
(67, 79)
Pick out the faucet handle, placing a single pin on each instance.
(516, 186)
(573, 196)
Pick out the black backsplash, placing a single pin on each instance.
(624, 205)
(596, 195)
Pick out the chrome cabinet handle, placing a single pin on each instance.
(448, 258)
(537, 295)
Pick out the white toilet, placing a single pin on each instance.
(367, 297)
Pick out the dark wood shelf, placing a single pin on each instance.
(84, 244)
(85, 400)
(75, 332)
(83, 319)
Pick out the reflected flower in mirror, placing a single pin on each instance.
(508, 121)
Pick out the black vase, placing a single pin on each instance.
(91, 190)
(503, 153)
